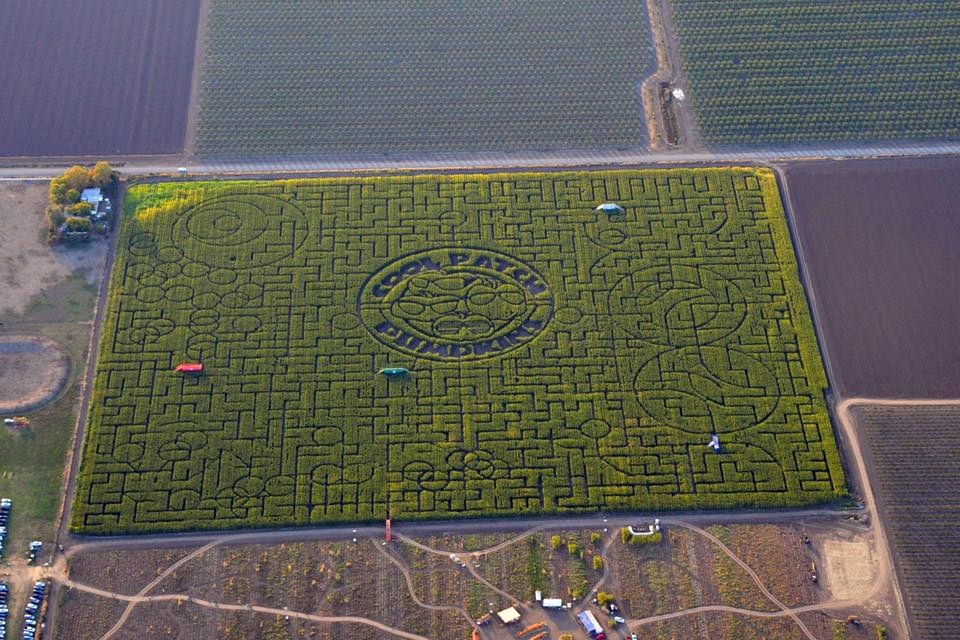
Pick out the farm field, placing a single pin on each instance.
(912, 454)
(407, 77)
(365, 578)
(560, 359)
(114, 80)
(790, 72)
(881, 245)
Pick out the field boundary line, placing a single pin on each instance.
(193, 108)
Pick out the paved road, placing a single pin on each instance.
(139, 167)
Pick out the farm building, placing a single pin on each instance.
(509, 615)
(98, 201)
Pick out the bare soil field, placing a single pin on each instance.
(913, 454)
(880, 241)
(415, 586)
(33, 370)
(105, 78)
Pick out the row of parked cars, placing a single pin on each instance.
(6, 504)
(4, 610)
(33, 615)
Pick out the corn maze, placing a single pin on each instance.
(560, 359)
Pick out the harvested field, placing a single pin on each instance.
(33, 370)
(531, 383)
(373, 77)
(913, 456)
(880, 240)
(105, 78)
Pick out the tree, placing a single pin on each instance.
(556, 542)
(78, 225)
(566, 636)
(73, 195)
(58, 191)
(77, 177)
(604, 599)
(595, 537)
(573, 548)
(597, 562)
(101, 174)
(81, 209)
(55, 217)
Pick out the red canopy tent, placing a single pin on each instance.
(190, 367)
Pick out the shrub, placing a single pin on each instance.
(81, 209)
(77, 225)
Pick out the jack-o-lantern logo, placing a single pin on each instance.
(453, 304)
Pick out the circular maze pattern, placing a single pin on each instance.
(707, 390)
(677, 305)
(456, 304)
(247, 231)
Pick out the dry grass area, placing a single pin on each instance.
(29, 267)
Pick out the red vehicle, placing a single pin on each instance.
(189, 367)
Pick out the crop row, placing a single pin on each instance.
(374, 77)
(789, 71)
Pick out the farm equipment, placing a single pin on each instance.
(189, 367)
(394, 372)
(18, 422)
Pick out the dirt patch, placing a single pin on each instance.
(849, 567)
(29, 267)
(33, 370)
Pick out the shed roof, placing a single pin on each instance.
(509, 615)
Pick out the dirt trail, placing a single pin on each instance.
(783, 608)
(153, 583)
(413, 594)
(179, 597)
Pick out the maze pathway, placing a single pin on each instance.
(559, 359)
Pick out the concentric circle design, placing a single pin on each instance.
(456, 304)
(707, 390)
(247, 231)
(677, 305)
